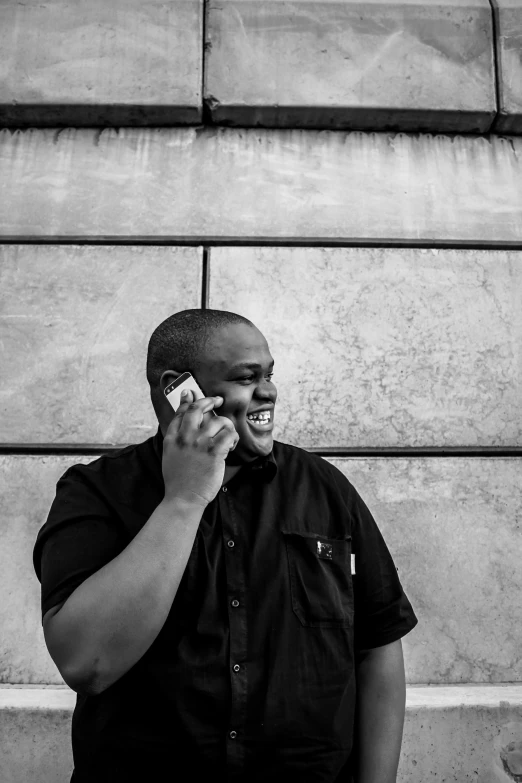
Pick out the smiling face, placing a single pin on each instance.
(237, 365)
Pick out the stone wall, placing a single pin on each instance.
(364, 211)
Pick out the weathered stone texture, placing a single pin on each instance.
(453, 528)
(35, 735)
(460, 734)
(28, 488)
(508, 14)
(384, 347)
(263, 185)
(451, 524)
(372, 65)
(100, 63)
(74, 328)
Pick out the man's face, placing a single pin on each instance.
(237, 365)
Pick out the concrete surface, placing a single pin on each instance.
(366, 318)
(508, 16)
(453, 527)
(462, 733)
(451, 734)
(28, 489)
(451, 524)
(383, 64)
(260, 185)
(384, 347)
(74, 328)
(126, 62)
(35, 726)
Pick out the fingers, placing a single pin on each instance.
(189, 415)
(215, 426)
(226, 440)
(191, 425)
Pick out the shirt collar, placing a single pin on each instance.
(265, 467)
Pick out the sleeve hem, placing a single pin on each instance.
(388, 638)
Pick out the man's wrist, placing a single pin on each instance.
(186, 506)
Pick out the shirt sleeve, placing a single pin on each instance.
(382, 611)
(79, 536)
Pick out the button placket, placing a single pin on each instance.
(235, 579)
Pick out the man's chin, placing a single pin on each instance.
(243, 455)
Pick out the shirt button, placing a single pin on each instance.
(224, 489)
(236, 667)
(233, 734)
(235, 602)
(230, 544)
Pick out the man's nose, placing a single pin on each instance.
(266, 390)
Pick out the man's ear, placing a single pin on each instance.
(167, 377)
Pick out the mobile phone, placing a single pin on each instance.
(185, 381)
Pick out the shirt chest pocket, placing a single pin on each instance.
(320, 578)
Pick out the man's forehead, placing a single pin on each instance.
(234, 345)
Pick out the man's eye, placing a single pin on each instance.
(249, 378)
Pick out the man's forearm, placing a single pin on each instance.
(381, 697)
(110, 620)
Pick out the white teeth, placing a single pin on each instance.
(261, 418)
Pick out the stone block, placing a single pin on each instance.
(508, 17)
(119, 63)
(461, 733)
(384, 347)
(35, 734)
(74, 328)
(451, 524)
(282, 186)
(378, 65)
(453, 528)
(28, 489)
(451, 734)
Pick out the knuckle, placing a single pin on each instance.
(180, 439)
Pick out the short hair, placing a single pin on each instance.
(179, 340)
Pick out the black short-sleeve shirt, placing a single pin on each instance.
(251, 677)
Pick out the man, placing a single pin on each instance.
(198, 590)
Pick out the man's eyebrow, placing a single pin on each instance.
(248, 366)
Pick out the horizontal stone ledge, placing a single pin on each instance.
(234, 241)
(448, 731)
(378, 65)
(39, 115)
(436, 697)
(340, 118)
(309, 185)
(96, 449)
(126, 62)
